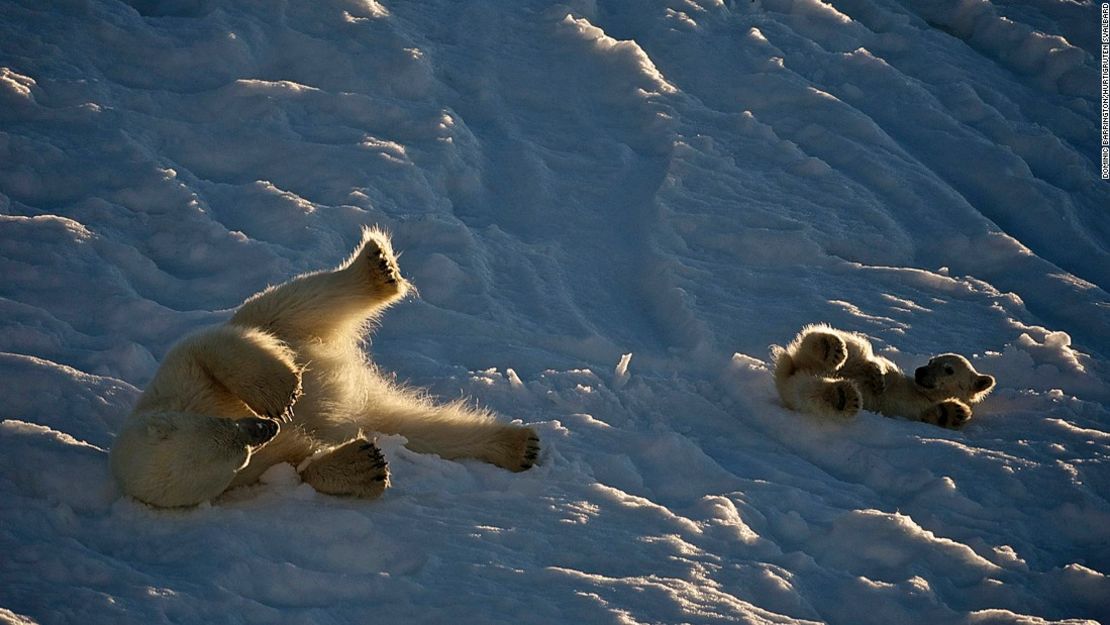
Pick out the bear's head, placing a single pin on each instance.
(180, 459)
(952, 375)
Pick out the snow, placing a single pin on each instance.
(611, 209)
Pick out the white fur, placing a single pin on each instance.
(292, 353)
(830, 372)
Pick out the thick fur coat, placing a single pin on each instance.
(286, 380)
(830, 372)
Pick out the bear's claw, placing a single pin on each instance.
(377, 460)
(383, 267)
(531, 452)
(286, 414)
(388, 270)
(356, 468)
(278, 393)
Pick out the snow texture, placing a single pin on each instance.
(610, 208)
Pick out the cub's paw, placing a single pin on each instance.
(950, 413)
(827, 352)
(355, 469)
(255, 432)
(841, 398)
(872, 379)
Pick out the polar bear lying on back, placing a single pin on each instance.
(830, 372)
(209, 420)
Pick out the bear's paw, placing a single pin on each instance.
(356, 469)
(872, 379)
(842, 397)
(949, 414)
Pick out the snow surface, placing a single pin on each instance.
(611, 209)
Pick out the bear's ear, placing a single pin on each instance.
(984, 383)
(160, 429)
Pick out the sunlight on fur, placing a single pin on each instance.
(286, 380)
(833, 373)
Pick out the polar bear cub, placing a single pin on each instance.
(286, 380)
(830, 372)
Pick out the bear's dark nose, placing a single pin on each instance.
(258, 431)
(919, 376)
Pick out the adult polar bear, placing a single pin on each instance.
(209, 420)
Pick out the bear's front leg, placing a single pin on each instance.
(355, 468)
(329, 304)
(950, 413)
(252, 365)
(268, 387)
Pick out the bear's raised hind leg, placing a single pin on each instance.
(329, 304)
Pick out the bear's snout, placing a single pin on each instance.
(258, 431)
(921, 377)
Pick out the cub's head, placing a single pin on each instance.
(951, 375)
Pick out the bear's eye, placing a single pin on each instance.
(949, 370)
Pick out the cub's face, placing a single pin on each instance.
(951, 375)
